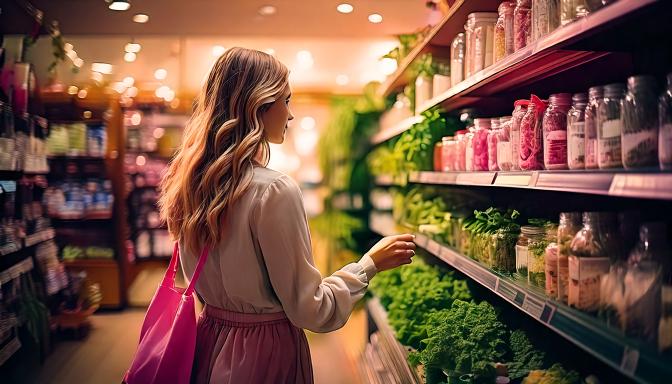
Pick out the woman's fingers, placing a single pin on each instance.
(405, 237)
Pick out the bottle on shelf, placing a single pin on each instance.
(531, 136)
(610, 127)
(665, 126)
(570, 224)
(504, 31)
(591, 152)
(480, 144)
(519, 111)
(522, 24)
(639, 138)
(504, 144)
(555, 131)
(545, 17)
(576, 139)
(493, 141)
(528, 234)
(457, 59)
(7, 138)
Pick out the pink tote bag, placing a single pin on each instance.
(168, 336)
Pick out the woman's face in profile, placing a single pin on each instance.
(275, 119)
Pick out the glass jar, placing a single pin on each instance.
(570, 224)
(483, 40)
(522, 24)
(448, 154)
(609, 127)
(576, 139)
(531, 136)
(504, 254)
(438, 156)
(468, 47)
(493, 140)
(545, 17)
(480, 144)
(457, 57)
(504, 30)
(528, 233)
(639, 138)
(588, 262)
(665, 126)
(504, 144)
(7, 138)
(653, 248)
(519, 111)
(555, 131)
(460, 150)
(569, 9)
(595, 94)
(469, 151)
(551, 269)
(536, 256)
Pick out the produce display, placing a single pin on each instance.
(455, 337)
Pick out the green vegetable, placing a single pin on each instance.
(525, 357)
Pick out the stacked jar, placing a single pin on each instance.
(555, 131)
(504, 31)
(665, 126)
(570, 224)
(576, 139)
(545, 17)
(571, 10)
(460, 150)
(531, 136)
(493, 140)
(448, 154)
(639, 138)
(469, 150)
(528, 234)
(609, 127)
(480, 144)
(504, 144)
(482, 26)
(595, 94)
(522, 24)
(519, 111)
(457, 59)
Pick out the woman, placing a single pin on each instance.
(259, 283)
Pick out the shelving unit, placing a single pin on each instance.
(630, 357)
(652, 185)
(395, 130)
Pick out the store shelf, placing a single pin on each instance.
(16, 270)
(42, 236)
(396, 353)
(396, 129)
(391, 181)
(543, 58)
(652, 185)
(440, 37)
(630, 357)
(8, 249)
(94, 219)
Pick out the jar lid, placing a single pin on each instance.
(521, 103)
(448, 138)
(506, 6)
(482, 123)
(505, 119)
(478, 16)
(579, 98)
(614, 89)
(641, 81)
(560, 98)
(532, 230)
(596, 91)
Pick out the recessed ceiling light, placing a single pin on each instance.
(133, 47)
(345, 8)
(119, 5)
(267, 10)
(342, 79)
(72, 90)
(104, 68)
(129, 57)
(128, 81)
(140, 18)
(160, 74)
(375, 18)
(218, 50)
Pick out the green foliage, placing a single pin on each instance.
(338, 227)
(525, 357)
(491, 220)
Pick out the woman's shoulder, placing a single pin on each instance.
(269, 180)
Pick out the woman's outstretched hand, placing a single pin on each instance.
(392, 251)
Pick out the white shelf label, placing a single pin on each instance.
(630, 360)
(533, 306)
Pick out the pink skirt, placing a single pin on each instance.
(235, 348)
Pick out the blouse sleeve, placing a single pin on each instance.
(310, 301)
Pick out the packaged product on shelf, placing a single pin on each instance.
(528, 234)
(536, 255)
(457, 59)
(483, 39)
(76, 139)
(460, 150)
(531, 136)
(522, 24)
(57, 142)
(610, 127)
(423, 89)
(665, 126)
(448, 154)
(551, 269)
(568, 10)
(441, 79)
(504, 254)
(591, 153)
(504, 30)
(570, 224)
(588, 262)
(504, 145)
(493, 140)
(665, 324)
(545, 17)
(97, 140)
(7, 138)
(519, 111)
(469, 47)
(438, 156)
(469, 151)
(555, 131)
(639, 139)
(576, 137)
(480, 144)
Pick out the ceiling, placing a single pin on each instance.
(180, 35)
(309, 18)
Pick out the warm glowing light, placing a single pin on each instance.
(140, 18)
(162, 91)
(388, 65)
(169, 96)
(78, 62)
(308, 123)
(68, 47)
(375, 18)
(103, 68)
(119, 5)
(218, 50)
(136, 118)
(158, 133)
(97, 77)
(267, 10)
(72, 90)
(133, 47)
(87, 114)
(345, 8)
(342, 79)
(160, 74)
(119, 86)
(129, 57)
(132, 91)
(305, 59)
(82, 93)
(140, 160)
(129, 81)
(270, 51)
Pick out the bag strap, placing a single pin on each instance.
(171, 272)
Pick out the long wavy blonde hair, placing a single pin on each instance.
(214, 165)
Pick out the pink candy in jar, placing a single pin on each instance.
(504, 144)
(480, 144)
(460, 150)
(448, 154)
(531, 136)
(493, 140)
(555, 131)
(522, 23)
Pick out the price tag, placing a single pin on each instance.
(513, 179)
(629, 360)
(533, 306)
(642, 185)
(433, 247)
(507, 290)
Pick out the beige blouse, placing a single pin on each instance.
(264, 263)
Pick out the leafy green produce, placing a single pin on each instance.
(525, 357)
(467, 338)
(556, 374)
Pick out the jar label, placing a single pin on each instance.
(585, 274)
(591, 153)
(639, 148)
(521, 257)
(611, 128)
(504, 154)
(576, 143)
